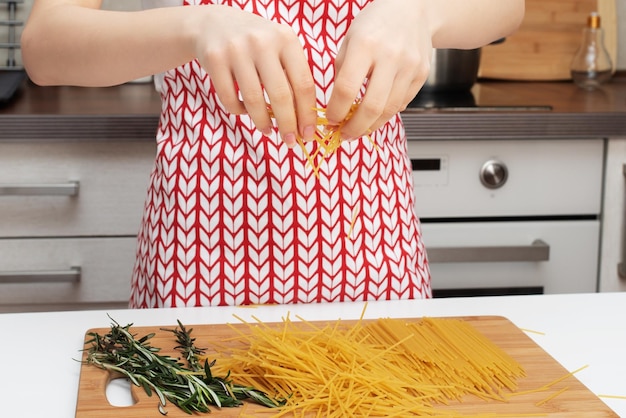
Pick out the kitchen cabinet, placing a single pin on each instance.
(69, 216)
(65, 273)
(614, 218)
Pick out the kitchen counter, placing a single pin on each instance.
(40, 377)
(500, 110)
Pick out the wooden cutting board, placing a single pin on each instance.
(541, 369)
(544, 45)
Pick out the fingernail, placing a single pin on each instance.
(267, 131)
(290, 139)
(345, 137)
(309, 133)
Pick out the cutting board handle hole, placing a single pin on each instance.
(118, 392)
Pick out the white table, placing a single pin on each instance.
(581, 329)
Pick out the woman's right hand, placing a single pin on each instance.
(252, 61)
(249, 57)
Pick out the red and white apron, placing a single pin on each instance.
(234, 217)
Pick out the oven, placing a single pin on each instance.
(509, 216)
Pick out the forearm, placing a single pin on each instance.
(472, 23)
(70, 44)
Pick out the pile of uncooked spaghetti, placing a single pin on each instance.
(382, 368)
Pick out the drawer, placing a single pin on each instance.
(543, 177)
(65, 273)
(554, 256)
(74, 188)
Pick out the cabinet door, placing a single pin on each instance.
(65, 273)
(74, 188)
(614, 218)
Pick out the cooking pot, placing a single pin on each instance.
(452, 70)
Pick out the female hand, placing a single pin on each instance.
(248, 57)
(388, 46)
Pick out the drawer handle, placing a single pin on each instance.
(40, 189)
(538, 251)
(621, 267)
(41, 276)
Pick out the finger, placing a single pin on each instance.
(303, 88)
(405, 87)
(374, 102)
(351, 72)
(252, 93)
(225, 86)
(281, 99)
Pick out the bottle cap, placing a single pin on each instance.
(593, 21)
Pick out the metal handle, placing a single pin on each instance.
(40, 189)
(41, 276)
(621, 267)
(538, 251)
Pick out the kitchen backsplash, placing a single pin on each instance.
(23, 8)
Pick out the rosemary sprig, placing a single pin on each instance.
(186, 345)
(190, 387)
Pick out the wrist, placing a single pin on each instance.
(191, 28)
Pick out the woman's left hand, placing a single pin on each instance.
(387, 47)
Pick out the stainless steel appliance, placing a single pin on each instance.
(510, 216)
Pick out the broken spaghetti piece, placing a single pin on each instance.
(326, 139)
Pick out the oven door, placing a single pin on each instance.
(521, 257)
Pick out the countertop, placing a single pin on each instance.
(498, 110)
(40, 377)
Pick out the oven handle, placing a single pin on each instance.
(40, 189)
(621, 267)
(72, 275)
(539, 250)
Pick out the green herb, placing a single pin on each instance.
(190, 386)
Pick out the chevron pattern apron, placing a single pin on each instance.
(234, 217)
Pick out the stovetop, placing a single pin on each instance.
(465, 101)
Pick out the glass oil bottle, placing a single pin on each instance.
(592, 65)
